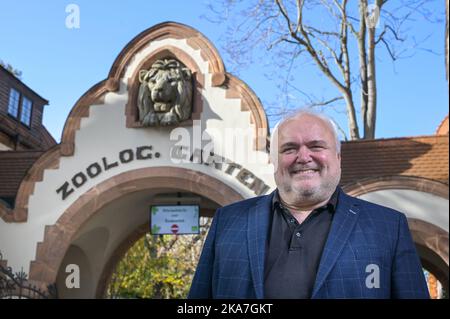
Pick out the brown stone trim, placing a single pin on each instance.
(250, 102)
(161, 31)
(95, 95)
(6, 213)
(57, 238)
(435, 239)
(443, 127)
(397, 182)
(438, 273)
(430, 236)
(131, 110)
(168, 30)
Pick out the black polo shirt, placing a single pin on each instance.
(293, 250)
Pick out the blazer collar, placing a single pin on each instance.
(344, 220)
(257, 231)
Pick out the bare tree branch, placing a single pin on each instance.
(386, 44)
(342, 48)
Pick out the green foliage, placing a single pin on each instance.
(158, 266)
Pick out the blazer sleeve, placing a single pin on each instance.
(408, 280)
(201, 287)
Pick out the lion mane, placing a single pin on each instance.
(165, 93)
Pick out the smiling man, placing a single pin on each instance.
(308, 239)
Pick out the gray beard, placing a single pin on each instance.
(312, 195)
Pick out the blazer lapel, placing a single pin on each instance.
(342, 225)
(258, 226)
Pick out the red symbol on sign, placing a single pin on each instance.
(174, 228)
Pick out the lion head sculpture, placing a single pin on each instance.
(165, 93)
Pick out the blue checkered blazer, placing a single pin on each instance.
(362, 234)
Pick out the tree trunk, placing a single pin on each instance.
(363, 63)
(372, 88)
(372, 80)
(352, 123)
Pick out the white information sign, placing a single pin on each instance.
(175, 219)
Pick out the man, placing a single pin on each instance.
(308, 239)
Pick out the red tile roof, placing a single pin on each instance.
(425, 156)
(422, 156)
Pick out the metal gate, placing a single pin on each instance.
(16, 286)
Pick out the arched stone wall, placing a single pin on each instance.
(59, 236)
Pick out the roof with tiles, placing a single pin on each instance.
(13, 168)
(422, 156)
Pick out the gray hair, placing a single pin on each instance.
(299, 113)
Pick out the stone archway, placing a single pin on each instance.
(432, 242)
(118, 254)
(122, 247)
(58, 237)
(432, 246)
(397, 182)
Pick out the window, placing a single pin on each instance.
(20, 107)
(25, 114)
(13, 105)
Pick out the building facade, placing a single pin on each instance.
(86, 200)
(21, 112)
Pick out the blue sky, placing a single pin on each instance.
(61, 64)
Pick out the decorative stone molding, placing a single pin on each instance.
(6, 213)
(58, 237)
(443, 127)
(111, 84)
(435, 239)
(430, 236)
(95, 95)
(170, 30)
(250, 102)
(131, 110)
(397, 182)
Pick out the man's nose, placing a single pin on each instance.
(303, 155)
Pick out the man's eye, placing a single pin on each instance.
(288, 150)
